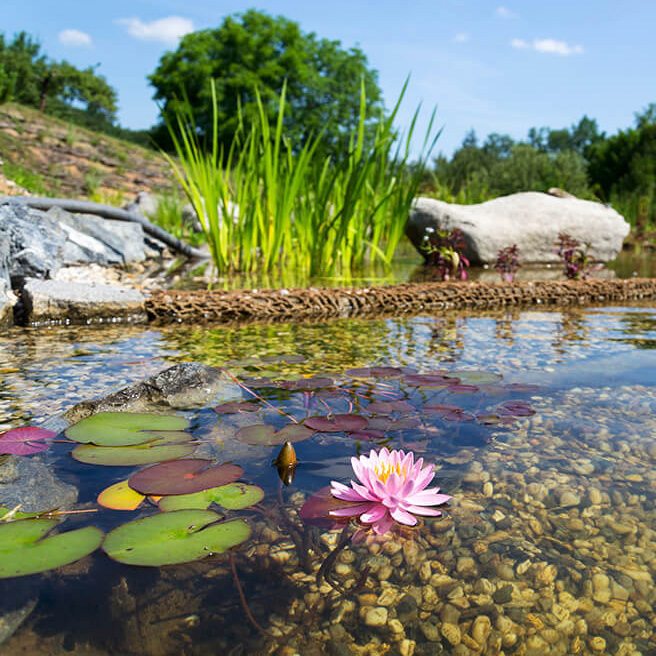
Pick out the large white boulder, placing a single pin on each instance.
(531, 220)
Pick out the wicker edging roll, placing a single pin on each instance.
(407, 298)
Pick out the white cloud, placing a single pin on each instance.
(519, 43)
(556, 47)
(74, 38)
(549, 46)
(461, 37)
(167, 30)
(504, 12)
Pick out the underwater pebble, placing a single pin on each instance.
(376, 616)
(451, 632)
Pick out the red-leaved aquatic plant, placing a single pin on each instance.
(393, 488)
(508, 262)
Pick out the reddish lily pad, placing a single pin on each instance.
(374, 372)
(367, 434)
(267, 435)
(316, 509)
(182, 536)
(430, 380)
(232, 407)
(234, 496)
(316, 382)
(515, 409)
(25, 440)
(441, 408)
(458, 415)
(126, 428)
(463, 388)
(388, 407)
(183, 477)
(336, 423)
(257, 383)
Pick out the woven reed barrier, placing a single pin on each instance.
(393, 300)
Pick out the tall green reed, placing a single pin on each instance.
(265, 203)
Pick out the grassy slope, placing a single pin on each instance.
(48, 156)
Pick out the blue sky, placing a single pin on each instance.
(491, 65)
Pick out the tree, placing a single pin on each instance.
(254, 50)
(30, 78)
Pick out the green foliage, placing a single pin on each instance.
(622, 170)
(256, 51)
(33, 182)
(268, 201)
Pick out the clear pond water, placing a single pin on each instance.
(547, 547)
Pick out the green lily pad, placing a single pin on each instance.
(266, 434)
(175, 537)
(139, 454)
(183, 477)
(474, 377)
(234, 496)
(24, 549)
(125, 428)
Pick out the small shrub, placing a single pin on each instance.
(508, 262)
(574, 259)
(443, 249)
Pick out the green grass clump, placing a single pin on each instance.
(267, 203)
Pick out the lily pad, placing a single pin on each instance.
(515, 409)
(125, 428)
(463, 388)
(441, 408)
(120, 496)
(267, 435)
(491, 419)
(175, 537)
(25, 549)
(232, 407)
(183, 477)
(367, 434)
(430, 380)
(475, 377)
(25, 440)
(388, 407)
(374, 372)
(316, 382)
(336, 423)
(316, 509)
(140, 454)
(234, 496)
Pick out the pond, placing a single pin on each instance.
(540, 426)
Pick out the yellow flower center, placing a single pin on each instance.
(385, 470)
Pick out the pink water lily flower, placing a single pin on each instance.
(393, 488)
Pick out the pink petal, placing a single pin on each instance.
(375, 514)
(355, 509)
(428, 498)
(403, 517)
(385, 524)
(365, 492)
(344, 493)
(422, 510)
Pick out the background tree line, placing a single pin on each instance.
(254, 50)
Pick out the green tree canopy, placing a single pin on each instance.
(254, 50)
(30, 78)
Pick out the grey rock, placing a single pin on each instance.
(183, 386)
(94, 239)
(36, 245)
(54, 301)
(7, 302)
(31, 483)
(531, 220)
(145, 204)
(18, 597)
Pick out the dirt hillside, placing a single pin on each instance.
(48, 156)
